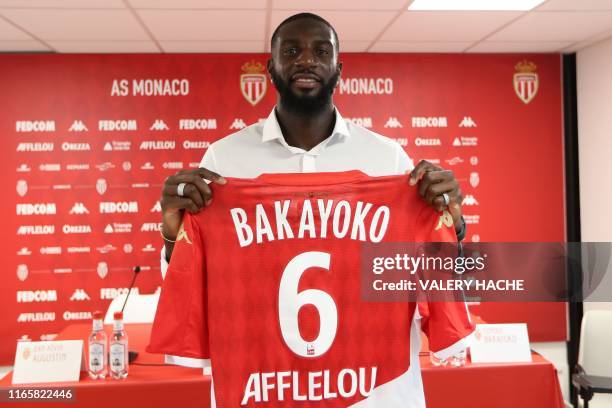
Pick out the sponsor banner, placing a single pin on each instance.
(88, 154)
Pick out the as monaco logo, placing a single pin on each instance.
(253, 83)
(474, 179)
(101, 186)
(22, 187)
(102, 269)
(22, 272)
(526, 81)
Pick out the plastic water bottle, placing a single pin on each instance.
(118, 354)
(97, 349)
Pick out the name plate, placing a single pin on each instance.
(47, 361)
(501, 343)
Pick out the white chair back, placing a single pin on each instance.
(139, 308)
(594, 354)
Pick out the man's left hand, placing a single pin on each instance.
(433, 181)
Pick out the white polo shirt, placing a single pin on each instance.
(261, 148)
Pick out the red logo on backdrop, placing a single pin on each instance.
(526, 81)
(253, 83)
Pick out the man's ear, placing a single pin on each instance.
(269, 65)
(339, 67)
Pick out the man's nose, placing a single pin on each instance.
(306, 59)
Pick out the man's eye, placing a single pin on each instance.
(290, 51)
(322, 51)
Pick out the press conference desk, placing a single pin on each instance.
(151, 384)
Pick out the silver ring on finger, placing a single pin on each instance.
(180, 189)
(446, 198)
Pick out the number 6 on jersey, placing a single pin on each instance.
(290, 302)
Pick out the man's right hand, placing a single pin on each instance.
(196, 195)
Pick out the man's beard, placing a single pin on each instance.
(305, 105)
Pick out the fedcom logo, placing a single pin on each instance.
(29, 296)
(107, 207)
(117, 125)
(26, 126)
(197, 124)
(429, 121)
(36, 209)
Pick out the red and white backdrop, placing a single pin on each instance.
(89, 139)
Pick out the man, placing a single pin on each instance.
(304, 133)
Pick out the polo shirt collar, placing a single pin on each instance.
(272, 130)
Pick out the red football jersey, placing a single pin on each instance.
(266, 283)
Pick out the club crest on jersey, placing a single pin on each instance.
(182, 235)
(445, 219)
(253, 83)
(310, 351)
(526, 81)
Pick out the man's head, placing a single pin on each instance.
(304, 66)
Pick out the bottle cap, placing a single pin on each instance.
(118, 315)
(97, 315)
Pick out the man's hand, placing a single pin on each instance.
(433, 182)
(196, 195)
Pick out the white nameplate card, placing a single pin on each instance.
(501, 343)
(47, 361)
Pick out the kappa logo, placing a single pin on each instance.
(101, 186)
(156, 207)
(392, 122)
(445, 220)
(469, 200)
(102, 269)
(79, 295)
(253, 83)
(526, 81)
(24, 251)
(182, 235)
(78, 126)
(159, 124)
(78, 208)
(468, 122)
(238, 124)
(22, 272)
(22, 187)
(474, 179)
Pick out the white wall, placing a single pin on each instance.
(594, 86)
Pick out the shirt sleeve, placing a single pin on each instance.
(404, 162)
(180, 327)
(446, 320)
(208, 161)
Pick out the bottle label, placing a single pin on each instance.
(117, 356)
(96, 356)
(118, 325)
(98, 325)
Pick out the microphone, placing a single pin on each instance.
(136, 271)
(131, 354)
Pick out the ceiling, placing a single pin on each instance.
(179, 26)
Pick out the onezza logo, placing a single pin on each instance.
(365, 86)
(69, 147)
(76, 229)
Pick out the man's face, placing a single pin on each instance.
(304, 65)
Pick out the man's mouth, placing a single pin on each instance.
(307, 81)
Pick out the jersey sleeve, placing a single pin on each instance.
(180, 327)
(446, 321)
